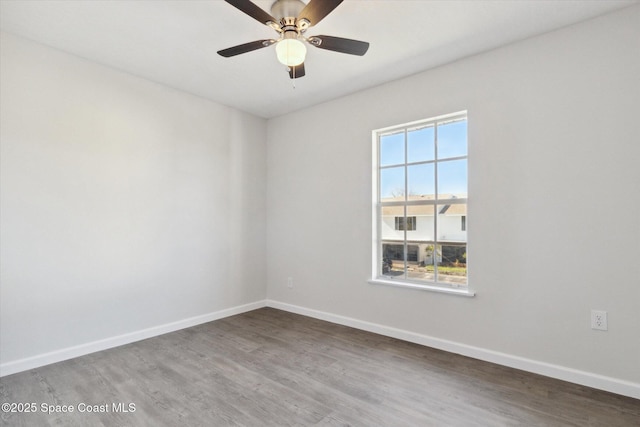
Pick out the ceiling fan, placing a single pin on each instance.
(291, 19)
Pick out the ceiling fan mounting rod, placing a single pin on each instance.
(281, 9)
(290, 34)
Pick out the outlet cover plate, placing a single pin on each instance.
(599, 320)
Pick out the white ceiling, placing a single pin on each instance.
(175, 42)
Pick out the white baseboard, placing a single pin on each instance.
(20, 365)
(614, 385)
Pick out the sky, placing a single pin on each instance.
(421, 147)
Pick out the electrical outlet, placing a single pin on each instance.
(599, 320)
(290, 282)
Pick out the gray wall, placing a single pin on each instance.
(125, 204)
(554, 210)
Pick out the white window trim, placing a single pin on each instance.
(376, 278)
(424, 286)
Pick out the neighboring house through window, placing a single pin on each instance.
(421, 202)
(410, 223)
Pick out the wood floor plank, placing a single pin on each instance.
(273, 368)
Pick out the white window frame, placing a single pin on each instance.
(376, 277)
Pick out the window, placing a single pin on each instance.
(400, 223)
(420, 192)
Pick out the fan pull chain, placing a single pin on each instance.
(293, 80)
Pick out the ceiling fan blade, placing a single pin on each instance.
(316, 10)
(297, 71)
(338, 44)
(244, 48)
(252, 10)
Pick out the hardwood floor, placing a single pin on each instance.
(273, 368)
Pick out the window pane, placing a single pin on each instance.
(421, 145)
(450, 224)
(424, 269)
(452, 239)
(420, 243)
(420, 261)
(392, 259)
(421, 181)
(424, 223)
(453, 266)
(452, 178)
(392, 149)
(388, 222)
(452, 139)
(392, 183)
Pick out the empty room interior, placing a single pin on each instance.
(324, 212)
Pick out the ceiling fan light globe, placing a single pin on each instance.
(291, 52)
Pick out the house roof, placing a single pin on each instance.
(444, 208)
(425, 210)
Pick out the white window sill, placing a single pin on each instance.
(465, 292)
